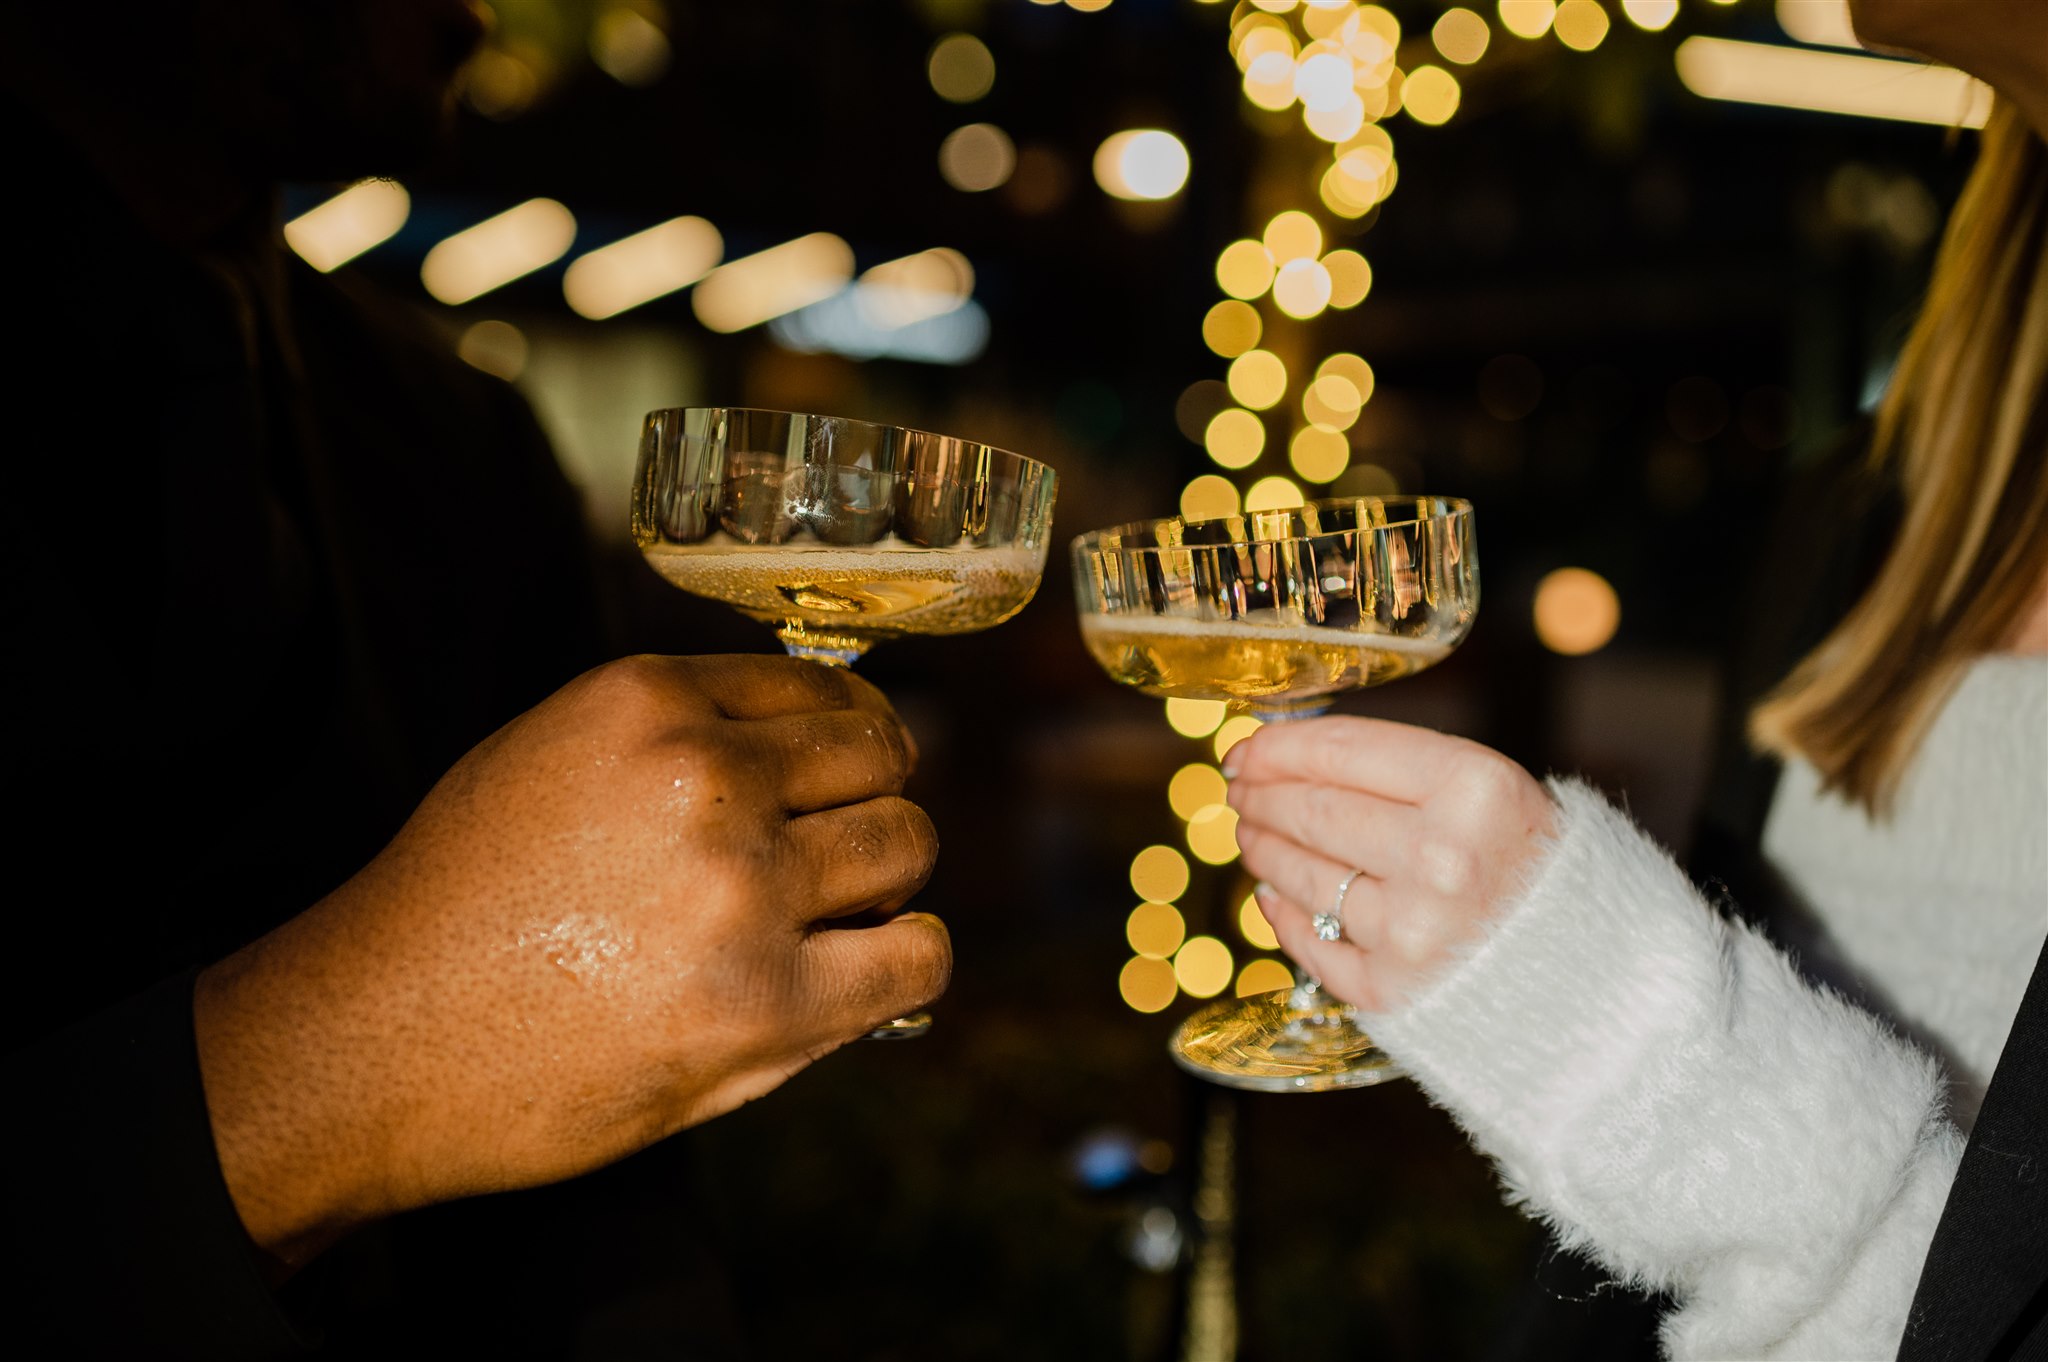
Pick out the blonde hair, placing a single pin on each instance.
(1965, 424)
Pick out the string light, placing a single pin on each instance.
(1195, 718)
(1252, 924)
(1431, 95)
(1233, 327)
(1208, 497)
(1580, 24)
(1264, 976)
(1258, 379)
(1245, 269)
(1576, 611)
(1203, 967)
(359, 218)
(498, 250)
(1233, 731)
(1159, 874)
(1194, 787)
(961, 68)
(1350, 278)
(1274, 493)
(1461, 36)
(1234, 438)
(1527, 18)
(1654, 16)
(1155, 929)
(1141, 163)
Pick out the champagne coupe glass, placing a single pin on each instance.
(840, 533)
(1276, 612)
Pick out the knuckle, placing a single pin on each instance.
(639, 688)
(1449, 868)
(819, 686)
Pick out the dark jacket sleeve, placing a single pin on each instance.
(123, 1242)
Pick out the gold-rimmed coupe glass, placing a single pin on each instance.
(1277, 613)
(838, 533)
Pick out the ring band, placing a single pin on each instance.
(1330, 926)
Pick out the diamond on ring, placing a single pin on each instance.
(1330, 926)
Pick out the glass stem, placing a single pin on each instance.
(1307, 996)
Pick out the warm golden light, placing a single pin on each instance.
(1352, 370)
(1195, 718)
(961, 68)
(1264, 976)
(1141, 163)
(1252, 924)
(1319, 454)
(1203, 967)
(759, 287)
(1350, 278)
(914, 288)
(1147, 985)
(1335, 125)
(1824, 23)
(977, 157)
(1293, 235)
(1275, 6)
(1231, 328)
(1195, 786)
(1326, 18)
(1332, 402)
(1651, 16)
(1431, 95)
(494, 347)
(1275, 493)
(1322, 81)
(1233, 731)
(629, 47)
(1461, 36)
(1577, 612)
(1258, 379)
(1212, 834)
(1159, 874)
(1581, 24)
(1269, 81)
(498, 250)
(1245, 269)
(1234, 438)
(1527, 18)
(1155, 929)
(642, 267)
(1208, 497)
(1259, 34)
(366, 214)
(1832, 82)
(1302, 288)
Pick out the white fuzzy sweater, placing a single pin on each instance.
(1664, 1088)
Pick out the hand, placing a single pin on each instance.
(1443, 829)
(652, 898)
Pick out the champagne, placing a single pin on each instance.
(861, 595)
(1247, 661)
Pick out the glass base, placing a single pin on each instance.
(903, 1028)
(1266, 1043)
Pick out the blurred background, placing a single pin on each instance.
(1614, 269)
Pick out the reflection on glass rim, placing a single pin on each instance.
(686, 412)
(1094, 540)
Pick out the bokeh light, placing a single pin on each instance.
(1263, 976)
(364, 215)
(1147, 985)
(1577, 612)
(1141, 163)
(630, 47)
(498, 250)
(1350, 277)
(1194, 787)
(1352, 370)
(1208, 497)
(496, 348)
(767, 284)
(1235, 439)
(1322, 81)
(1581, 24)
(1461, 36)
(1431, 95)
(1332, 402)
(639, 268)
(1258, 379)
(1252, 925)
(1527, 18)
(1159, 874)
(1155, 929)
(1203, 967)
(1335, 125)
(1292, 235)
(1195, 718)
(977, 157)
(1319, 455)
(1302, 288)
(1275, 493)
(1212, 834)
(1233, 327)
(961, 68)
(1654, 16)
(1233, 731)
(1244, 269)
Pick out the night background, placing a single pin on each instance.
(1616, 315)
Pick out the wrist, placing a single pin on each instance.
(291, 1139)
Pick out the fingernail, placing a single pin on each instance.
(1262, 890)
(1232, 761)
